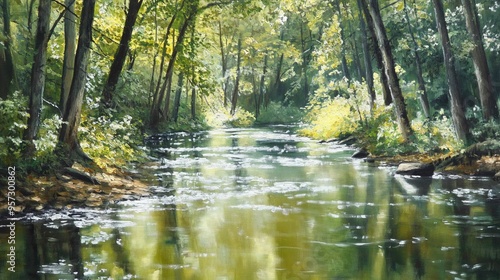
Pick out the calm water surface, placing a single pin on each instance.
(266, 204)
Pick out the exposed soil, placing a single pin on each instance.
(34, 194)
(481, 159)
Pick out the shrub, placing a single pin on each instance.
(335, 118)
(13, 118)
(109, 141)
(241, 118)
(276, 113)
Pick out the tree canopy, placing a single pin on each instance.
(425, 74)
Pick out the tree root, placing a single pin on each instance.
(470, 155)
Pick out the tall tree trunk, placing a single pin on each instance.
(277, 80)
(69, 53)
(393, 80)
(262, 88)
(177, 97)
(153, 69)
(121, 53)
(345, 68)
(305, 62)
(193, 94)
(234, 98)
(275, 86)
(255, 90)
(29, 27)
(366, 57)
(481, 69)
(68, 135)
(454, 94)
(38, 75)
(8, 79)
(154, 116)
(225, 77)
(424, 101)
(384, 81)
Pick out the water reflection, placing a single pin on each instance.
(265, 204)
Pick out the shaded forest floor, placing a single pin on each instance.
(480, 159)
(63, 192)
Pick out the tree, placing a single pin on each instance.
(454, 94)
(392, 78)
(345, 68)
(366, 56)
(37, 84)
(234, 96)
(192, 10)
(7, 69)
(68, 140)
(424, 101)
(177, 97)
(122, 51)
(378, 56)
(481, 69)
(69, 52)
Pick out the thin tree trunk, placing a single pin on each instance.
(255, 90)
(8, 78)
(38, 75)
(29, 28)
(424, 101)
(177, 97)
(234, 98)
(304, 62)
(262, 86)
(166, 91)
(121, 53)
(69, 53)
(162, 61)
(155, 110)
(454, 94)
(153, 70)
(366, 57)
(384, 81)
(277, 80)
(68, 135)
(393, 80)
(481, 69)
(193, 94)
(356, 59)
(345, 68)
(225, 79)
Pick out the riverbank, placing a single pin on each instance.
(480, 159)
(81, 189)
(64, 192)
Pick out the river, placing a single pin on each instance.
(263, 203)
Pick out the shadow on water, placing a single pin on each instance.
(45, 250)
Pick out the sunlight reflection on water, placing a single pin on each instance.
(266, 204)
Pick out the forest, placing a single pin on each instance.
(87, 80)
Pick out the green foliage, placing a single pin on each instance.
(241, 118)
(111, 139)
(486, 130)
(276, 113)
(217, 115)
(13, 117)
(381, 136)
(330, 120)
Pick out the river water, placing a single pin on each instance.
(263, 203)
